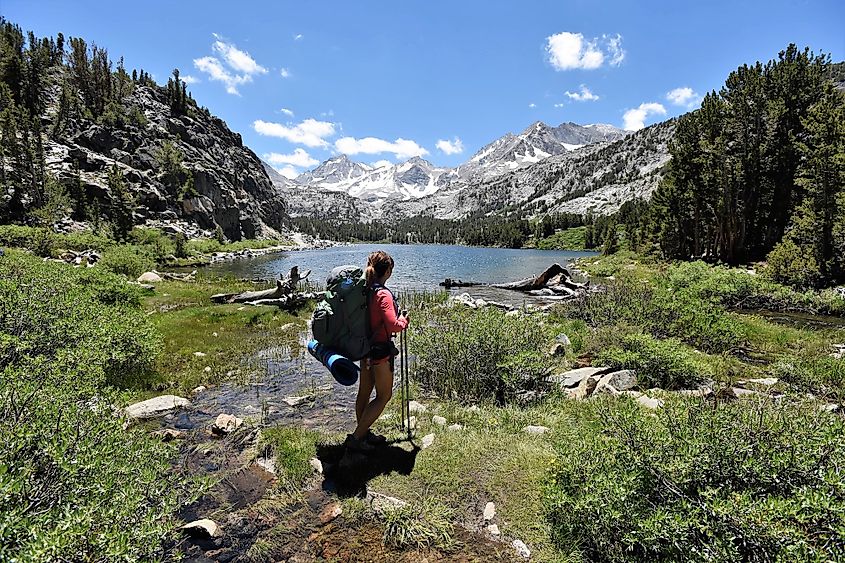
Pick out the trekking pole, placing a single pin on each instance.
(405, 423)
(407, 377)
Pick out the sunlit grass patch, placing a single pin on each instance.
(292, 448)
(227, 335)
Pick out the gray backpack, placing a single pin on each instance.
(341, 321)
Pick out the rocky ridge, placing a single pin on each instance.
(230, 186)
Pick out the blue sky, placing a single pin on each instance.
(303, 81)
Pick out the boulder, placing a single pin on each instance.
(268, 464)
(489, 511)
(382, 504)
(295, 401)
(203, 528)
(200, 354)
(739, 392)
(149, 277)
(574, 377)
(438, 420)
(416, 408)
(330, 512)
(226, 423)
(621, 380)
(427, 440)
(521, 549)
(585, 388)
(535, 430)
(456, 427)
(762, 381)
(649, 402)
(493, 530)
(157, 406)
(316, 465)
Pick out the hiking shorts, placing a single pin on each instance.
(382, 352)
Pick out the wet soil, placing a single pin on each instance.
(260, 519)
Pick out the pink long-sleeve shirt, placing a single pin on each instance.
(384, 316)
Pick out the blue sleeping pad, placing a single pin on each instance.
(344, 370)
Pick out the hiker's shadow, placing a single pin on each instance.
(347, 473)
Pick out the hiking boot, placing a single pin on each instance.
(375, 439)
(353, 444)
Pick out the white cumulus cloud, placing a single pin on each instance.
(288, 172)
(287, 112)
(238, 60)
(401, 148)
(567, 51)
(310, 132)
(285, 73)
(559, 105)
(684, 96)
(188, 79)
(582, 95)
(634, 119)
(299, 157)
(298, 36)
(455, 146)
(236, 67)
(532, 105)
(381, 164)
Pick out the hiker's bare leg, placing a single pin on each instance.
(383, 376)
(365, 389)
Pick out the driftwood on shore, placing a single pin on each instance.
(449, 283)
(284, 295)
(555, 280)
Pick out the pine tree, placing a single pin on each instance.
(122, 204)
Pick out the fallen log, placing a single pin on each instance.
(555, 280)
(449, 283)
(285, 287)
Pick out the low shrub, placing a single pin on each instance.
(822, 376)
(736, 288)
(473, 355)
(743, 481)
(130, 261)
(667, 364)
(660, 311)
(75, 485)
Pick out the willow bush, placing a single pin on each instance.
(473, 355)
(74, 485)
(697, 481)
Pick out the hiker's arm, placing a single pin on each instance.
(391, 322)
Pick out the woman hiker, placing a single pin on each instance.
(377, 368)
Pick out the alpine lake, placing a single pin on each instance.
(418, 267)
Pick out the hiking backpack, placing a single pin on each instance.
(341, 321)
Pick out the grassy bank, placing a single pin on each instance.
(574, 238)
(144, 249)
(701, 479)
